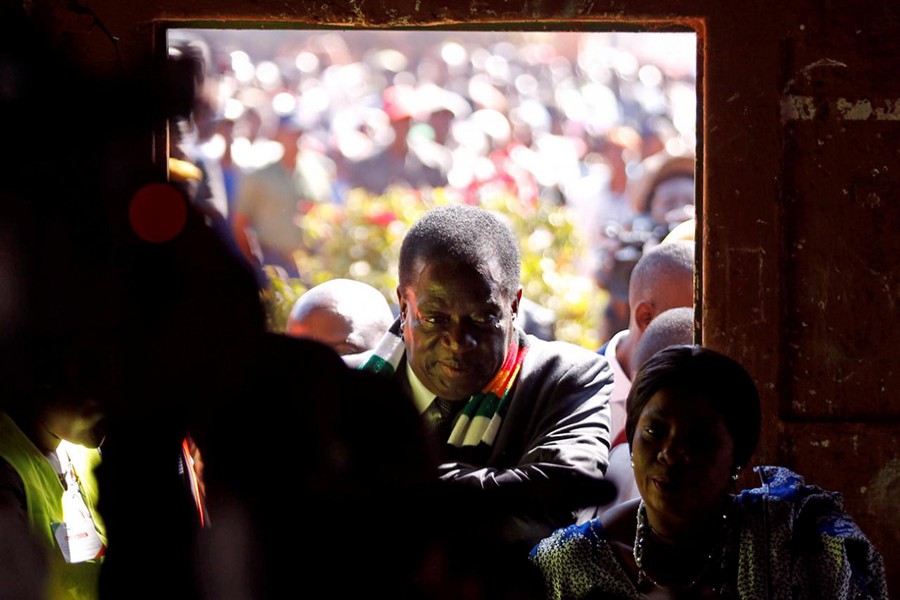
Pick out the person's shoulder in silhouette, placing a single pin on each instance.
(311, 462)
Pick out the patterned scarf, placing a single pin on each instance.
(481, 417)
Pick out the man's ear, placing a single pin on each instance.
(643, 314)
(401, 301)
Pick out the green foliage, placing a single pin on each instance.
(280, 297)
(361, 240)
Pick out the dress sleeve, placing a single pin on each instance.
(841, 562)
(577, 562)
(799, 542)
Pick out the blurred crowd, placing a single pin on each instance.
(603, 123)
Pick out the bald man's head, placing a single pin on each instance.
(663, 278)
(670, 328)
(349, 316)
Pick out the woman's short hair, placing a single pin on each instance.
(696, 371)
(463, 234)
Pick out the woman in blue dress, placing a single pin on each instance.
(693, 423)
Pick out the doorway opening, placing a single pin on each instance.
(584, 141)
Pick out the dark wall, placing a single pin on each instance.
(798, 241)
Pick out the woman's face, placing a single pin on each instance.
(683, 460)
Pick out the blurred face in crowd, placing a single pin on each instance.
(670, 197)
(457, 325)
(441, 121)
(683, 457)
(401, 127)
(289, 138)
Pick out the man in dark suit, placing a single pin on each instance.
(523, 420)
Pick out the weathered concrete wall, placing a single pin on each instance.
(800, 252)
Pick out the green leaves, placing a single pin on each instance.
(361, 239)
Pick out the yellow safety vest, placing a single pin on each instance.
(43, 494)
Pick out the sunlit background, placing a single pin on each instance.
(551, 129)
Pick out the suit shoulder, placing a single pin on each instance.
(565, 353)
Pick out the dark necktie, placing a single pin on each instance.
(440, 416)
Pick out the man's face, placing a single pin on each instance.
(457, 325)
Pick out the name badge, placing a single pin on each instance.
(78, 540)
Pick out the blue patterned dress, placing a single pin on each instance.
(791, 541)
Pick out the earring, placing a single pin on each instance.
(736, 474)
(632, 461)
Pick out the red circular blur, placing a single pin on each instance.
(157, 213)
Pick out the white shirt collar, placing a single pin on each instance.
(621, 380)
(422, 397)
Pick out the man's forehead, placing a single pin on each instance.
(452, 281)
(439, 267)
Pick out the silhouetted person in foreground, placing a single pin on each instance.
(125, 308)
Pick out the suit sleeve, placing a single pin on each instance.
(556, 438)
